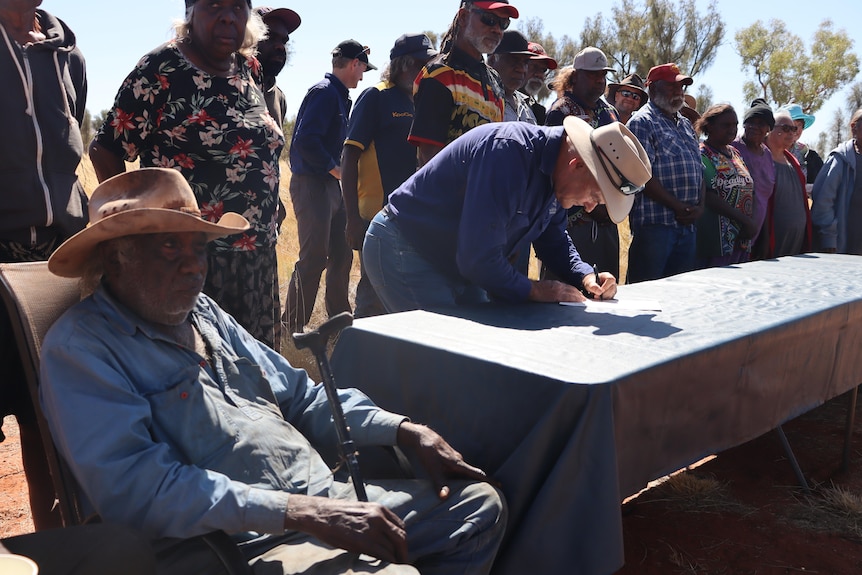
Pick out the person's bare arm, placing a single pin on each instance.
(427, 151)
(355, 228)
(747, 227)
(105, 162)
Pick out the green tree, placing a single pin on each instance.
(87, 129)
(434, 37)
(643, 34)
(854, 98)
(785, 71)
(90, 126)
(704, 98)
(562, 50)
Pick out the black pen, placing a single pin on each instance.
(598, 281)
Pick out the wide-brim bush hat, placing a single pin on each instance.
(630, 82)
(616, 159)
(144, 201)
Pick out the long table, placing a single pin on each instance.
(572, 409)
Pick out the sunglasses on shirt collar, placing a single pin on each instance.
(490, 19)
(625, 187)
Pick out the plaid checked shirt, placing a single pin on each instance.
(672, 147)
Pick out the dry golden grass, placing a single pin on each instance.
(691, 491)
(833, 509)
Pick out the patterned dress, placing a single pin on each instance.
(728, 176)
(218, 133)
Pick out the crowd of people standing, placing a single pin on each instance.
(445, 176)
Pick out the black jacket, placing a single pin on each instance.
(42, 106)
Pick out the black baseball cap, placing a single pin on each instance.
(514, 42)
(416, 45)
(354, 50)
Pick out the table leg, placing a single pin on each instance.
(851, 416)
(793, 463)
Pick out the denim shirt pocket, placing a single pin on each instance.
(190, 417)
(248, 389)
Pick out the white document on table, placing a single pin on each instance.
(614, 304)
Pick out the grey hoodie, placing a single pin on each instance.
(41, 109)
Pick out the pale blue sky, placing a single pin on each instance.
(114, 34)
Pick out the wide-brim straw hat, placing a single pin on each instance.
(144, 201)
(609, 152)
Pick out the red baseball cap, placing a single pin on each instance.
(540, 54)
(290, 18)
(668, 73)
(503, 6)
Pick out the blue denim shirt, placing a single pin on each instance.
(174, 445)
(485, 196)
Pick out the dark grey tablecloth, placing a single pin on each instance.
(572, 409)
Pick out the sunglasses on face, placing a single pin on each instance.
(490, 20)
(787, 128)
(628, 94)
(625, 187)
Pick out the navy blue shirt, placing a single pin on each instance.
(481, 199)
(321, 127)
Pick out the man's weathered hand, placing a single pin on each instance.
(553, 291)
(439, 459)
(355, 526)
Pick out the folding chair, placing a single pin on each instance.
(35, 298)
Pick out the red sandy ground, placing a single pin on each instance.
(758, 523)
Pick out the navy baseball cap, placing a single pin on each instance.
(354, 50)
(415, 45)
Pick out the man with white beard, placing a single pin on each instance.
(537, 76)
(457, 91)
(663, 217)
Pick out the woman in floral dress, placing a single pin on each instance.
(725, 230)
(195, 104)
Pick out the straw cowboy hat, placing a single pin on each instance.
(632, 82)
(144, 201)
(617, 160)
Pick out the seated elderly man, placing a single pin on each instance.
(177, 422)
(448, 235)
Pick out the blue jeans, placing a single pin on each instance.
(659, 251)
(403, 279)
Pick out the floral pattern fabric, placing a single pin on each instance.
(215, 130)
